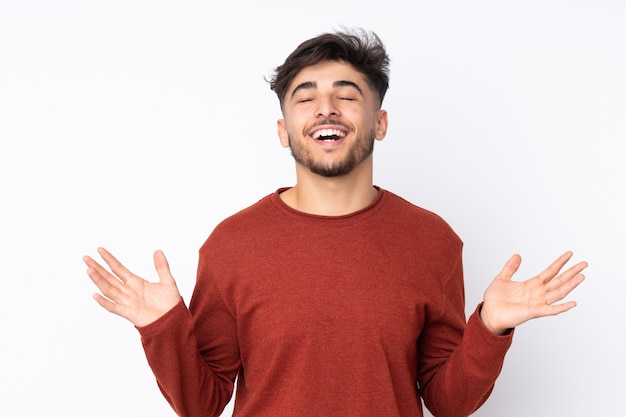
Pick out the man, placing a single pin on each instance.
(333, 297)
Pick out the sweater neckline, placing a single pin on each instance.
(367, 211)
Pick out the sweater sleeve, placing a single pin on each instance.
(195, 360)
(459, 362)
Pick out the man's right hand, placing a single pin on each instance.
(129, 296)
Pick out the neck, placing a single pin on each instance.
(336, 196)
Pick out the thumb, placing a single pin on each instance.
(163, 268)
(510, 268)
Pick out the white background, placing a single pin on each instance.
(138, 125)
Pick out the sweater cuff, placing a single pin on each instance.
(175, 318)
(478, 329)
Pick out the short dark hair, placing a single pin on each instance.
(359, 48)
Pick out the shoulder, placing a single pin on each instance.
(414, 218)
(258, 212)
(241, 225)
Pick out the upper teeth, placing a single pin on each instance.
(328, 132)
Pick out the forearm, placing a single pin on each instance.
(463, 381)
(189, 384)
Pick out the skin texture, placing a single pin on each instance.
(335, 178)
(331, 95)
(337, 97)
(508, 304)
(129, 296)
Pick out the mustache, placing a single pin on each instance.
(326, 122)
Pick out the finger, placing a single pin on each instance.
(566, 276)
(564, 290)
(109, 285)
(100, 274)
(116, 266)
(554, 268)
(108, 305)
(510, 268)
(556, 309)
(163, 268)
(121, 310)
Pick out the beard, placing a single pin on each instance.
(360, 151)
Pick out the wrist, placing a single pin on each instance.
(495, 329)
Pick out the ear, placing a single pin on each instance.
(380, 130)
(282, 133)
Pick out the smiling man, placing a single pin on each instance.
(346, 121)
(332, 297)
(331, 120)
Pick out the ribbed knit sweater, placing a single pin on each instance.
(356, 315)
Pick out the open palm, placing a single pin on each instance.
(129, 296)
(508, 303)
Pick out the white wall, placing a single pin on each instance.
(139, 125)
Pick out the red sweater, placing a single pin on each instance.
(356, 315)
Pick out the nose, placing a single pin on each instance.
(326, 108)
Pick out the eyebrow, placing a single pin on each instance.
(313, 84)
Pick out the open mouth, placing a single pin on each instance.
(328, 135)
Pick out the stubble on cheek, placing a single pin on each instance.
(360, 151)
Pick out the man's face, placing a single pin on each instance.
(331, 119)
